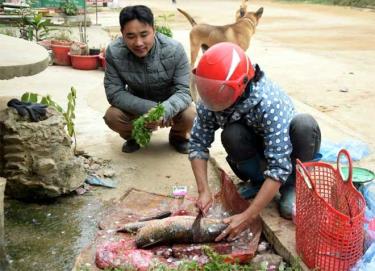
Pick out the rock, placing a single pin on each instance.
(108, 172)
(344, 90)
(38, 159)
(45, 166)
(268, 260)
(263, 246)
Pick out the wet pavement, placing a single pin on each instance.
(47, 236)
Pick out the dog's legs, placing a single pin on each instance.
(194, 50)
(193, 89)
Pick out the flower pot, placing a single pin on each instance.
(60, 54)
(61, 42)
(78, 48)
(94, 51)
(45, 43)
(85, 62)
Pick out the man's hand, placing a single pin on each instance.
(236, 224)
(166, 123)
(162, 123)
(204, 201)
(154, 125)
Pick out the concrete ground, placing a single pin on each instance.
(158, 167)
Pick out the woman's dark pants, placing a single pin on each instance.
(245, 151)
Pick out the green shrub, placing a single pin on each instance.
(69, 7)
(162, 24)
(164, 30)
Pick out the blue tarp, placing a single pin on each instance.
(357, 149)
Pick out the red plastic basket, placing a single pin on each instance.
(329, 216)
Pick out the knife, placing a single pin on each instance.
(196, 227)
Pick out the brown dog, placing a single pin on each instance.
(205, 35)
(242, 10)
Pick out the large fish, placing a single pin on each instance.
(173, 230)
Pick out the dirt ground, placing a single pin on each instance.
(323, 56)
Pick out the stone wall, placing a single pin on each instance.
(37, 157)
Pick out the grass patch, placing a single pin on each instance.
(350, 3)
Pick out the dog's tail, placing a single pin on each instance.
(191, 20)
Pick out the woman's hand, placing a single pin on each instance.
(240, 222)
(204, 201)
(236, 225)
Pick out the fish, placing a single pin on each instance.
(174, 230)
(133, 227)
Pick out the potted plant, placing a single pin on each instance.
(60, 45)
(69, 8)
(81, 59)
(162, 24)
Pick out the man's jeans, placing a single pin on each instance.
(245, 152)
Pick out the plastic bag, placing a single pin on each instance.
(356, 148)
(368, 192)
(367, 262)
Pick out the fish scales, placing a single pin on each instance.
(132, 227)
(178, 229)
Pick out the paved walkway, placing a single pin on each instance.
(158, 167)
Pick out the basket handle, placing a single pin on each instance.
(344, 155)
(303, 171)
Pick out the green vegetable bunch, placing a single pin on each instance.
(140, 133)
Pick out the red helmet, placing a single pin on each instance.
(222, 74)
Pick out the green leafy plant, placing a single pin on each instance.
(37, 27)
(162, 24)
(69, 114)
(31, 24)
(140, 133)
(23, 22)
(69, 7)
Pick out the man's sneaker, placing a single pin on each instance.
(180, 144)
(130, 146)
